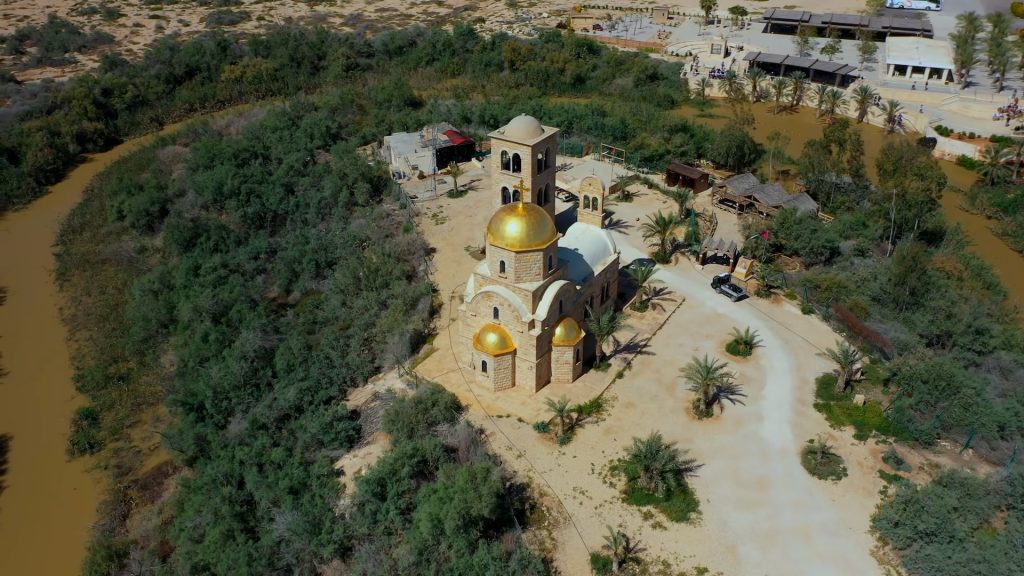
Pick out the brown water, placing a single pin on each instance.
(49, 502)
(803, 125)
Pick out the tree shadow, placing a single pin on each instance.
(618, 225)
(635, 345)
(5, 447)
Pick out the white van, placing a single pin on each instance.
(914, 4)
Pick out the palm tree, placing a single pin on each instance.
(965, 55)
(846, 358)
(755, 76)
(455, 171)
(1017, 154)
(661, 228)
(657, 467)
(561, 410)
(682, 197)
(710, 378)
(891, 112)
(995, 41)
(1000, 66)
(703, 86)
(863, 98)
(835, 103)
(732, 86)
(746, 340)
(798, 88)
(769, 276)
(603, 327)
(993, 163)
(820, 90)
(780, 86)
(621, 548)
(643, 277)
(970, 23)
(707, 7)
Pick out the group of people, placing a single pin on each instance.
(1009, 112)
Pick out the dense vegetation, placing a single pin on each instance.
(958, 525)
(1003, 203)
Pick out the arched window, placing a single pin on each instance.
(515, 196)
(495, 313)
(540, 162)
(501, 267)
(594, 204)
(545, 195)
(547, 158)
(506, 196)
(586, 202)
(559, 306)
(506, 162)
(551, 266)
(517, 164)
(483, 366)
(577, 355)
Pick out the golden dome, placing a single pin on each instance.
(521, 226)
(493, 339)
(567, 332)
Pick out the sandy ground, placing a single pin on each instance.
(761, 512)
(141, 24)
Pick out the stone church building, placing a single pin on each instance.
(523, 317)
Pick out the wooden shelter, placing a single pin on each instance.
(682, 175)
(745, 193)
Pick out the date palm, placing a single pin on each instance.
(798, 88)
(820, 90)
(755, 77)
(661, 228)
(965, 55)
(1017, 155)
(682, 197)
(835, 103)
(891, 111)
(703, 86)
(455, 171)
(712, 381)
(993, 163)
(643, 277)
(603, 328)
(779, 86)
(732, 86)
(621, 548)
(656, 466)
(561, 410)
(846, 359)
(746, 339)
(995, 41)
(863, 98)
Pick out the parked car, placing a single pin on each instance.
(722, 283)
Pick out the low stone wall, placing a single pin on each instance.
(627, 43)
(950, 149)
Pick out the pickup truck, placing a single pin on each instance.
(722, 283)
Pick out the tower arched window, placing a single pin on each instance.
(517, 163)
(515, 196)
(551, 265)
(547, 158)
(495, 313)
(594, 204)
(577, 355)
(483, 366)
(501, 267)
(540, 162)
(506, 196)
(586, 202)
(506, 161)
(559, 306)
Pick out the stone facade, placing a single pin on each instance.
(527, 290)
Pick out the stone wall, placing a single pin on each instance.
(562, 365)
(522, 267)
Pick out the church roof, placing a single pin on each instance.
(567, 332)
(523, 129)
(521, 226)
(493, 339)
(586, 249)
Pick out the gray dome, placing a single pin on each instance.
(523, 127)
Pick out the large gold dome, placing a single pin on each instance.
(521, 226)
(567, 332)
(493, 339)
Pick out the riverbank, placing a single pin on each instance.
(49, 502)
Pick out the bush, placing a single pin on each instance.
(679, 505)
(86, 436)
(600, 564)
(702, 413)
(840, 411)
(735, 348)
(542, 427)
(218, 18)
(895, 461)
(1017, 9)
(819, 461)
(418, 415)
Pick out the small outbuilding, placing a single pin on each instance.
(685, 176)
(919, 59)
(744, 193)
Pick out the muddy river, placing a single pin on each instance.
(47, 502)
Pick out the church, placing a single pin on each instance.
(523, 316)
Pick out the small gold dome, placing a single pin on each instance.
(493, 339)
(567, 332)
(521, 226)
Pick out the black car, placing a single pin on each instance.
(722, 283)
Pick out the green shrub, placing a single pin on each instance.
(542, 427)
(86, 434)
(679, 505)
(419, 414)
(819, 460)
(600, 564)
(840, 411)
(735, 348)
(219, 18)
(895, 461)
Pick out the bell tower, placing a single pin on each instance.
(591, 208)
(523, 158)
